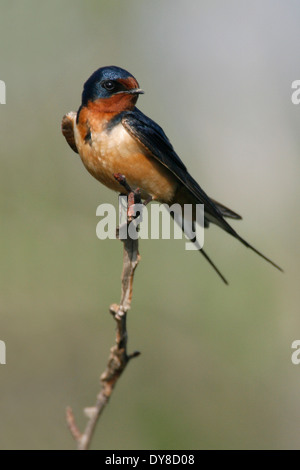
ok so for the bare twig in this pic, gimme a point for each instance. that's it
(118, 358)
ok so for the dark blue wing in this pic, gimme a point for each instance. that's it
(153, 138)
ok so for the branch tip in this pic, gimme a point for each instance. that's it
(72, 424)
(134, 354)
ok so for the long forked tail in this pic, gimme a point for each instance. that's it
(191, 236)
(179, 219)
(213, 265)
(194, 240)
(221, 222)
(245, 244)
(258, 252)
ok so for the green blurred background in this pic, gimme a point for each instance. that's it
(215, 369)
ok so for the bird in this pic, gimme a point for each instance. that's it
(112, 136)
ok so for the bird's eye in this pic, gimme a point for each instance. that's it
(108, 85)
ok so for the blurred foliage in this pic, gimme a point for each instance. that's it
(215, 369)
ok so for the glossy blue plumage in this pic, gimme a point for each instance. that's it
(92, 89)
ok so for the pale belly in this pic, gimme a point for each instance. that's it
(117, 152)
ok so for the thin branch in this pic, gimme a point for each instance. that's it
(118, 358)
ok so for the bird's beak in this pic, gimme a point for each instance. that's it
(133, 91)
(136, 91)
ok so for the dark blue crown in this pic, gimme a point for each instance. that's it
(92, 88)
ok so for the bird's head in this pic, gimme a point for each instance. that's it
(112, 88)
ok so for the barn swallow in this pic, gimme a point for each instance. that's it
(112, 136)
